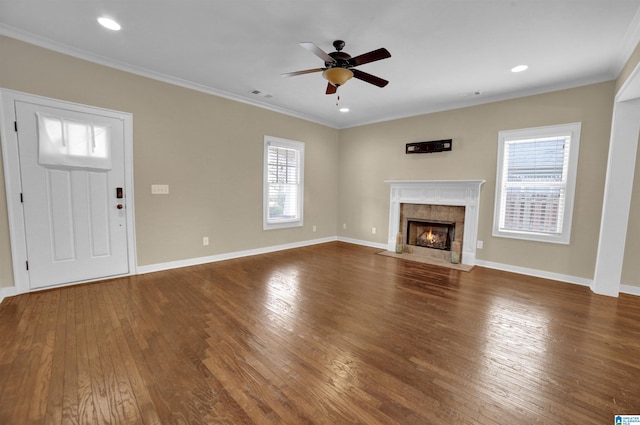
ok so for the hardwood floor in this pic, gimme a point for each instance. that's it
(327, 334)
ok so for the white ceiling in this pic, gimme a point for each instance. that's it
(442, 51)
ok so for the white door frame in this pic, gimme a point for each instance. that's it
(11, 163)
(618, 190)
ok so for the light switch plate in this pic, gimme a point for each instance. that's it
(159, 189)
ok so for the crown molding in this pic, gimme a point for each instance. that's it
(143, 72)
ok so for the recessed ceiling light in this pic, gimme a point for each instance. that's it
(109, 23)
(519, 68)
(344, 109)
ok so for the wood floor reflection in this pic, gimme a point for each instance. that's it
(327, 334)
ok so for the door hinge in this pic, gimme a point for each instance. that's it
(21, 199)
(15, 126)
(27, 264)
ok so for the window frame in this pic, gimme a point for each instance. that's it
(270, 224)
(571, 130)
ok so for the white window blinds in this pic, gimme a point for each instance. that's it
(536, 179)
(284, 177)
(534, 184)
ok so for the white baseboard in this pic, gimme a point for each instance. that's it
(629, 289)
(228, 256)
(8, 291)
(536, 273)
(364, 243)
(508, 268)
(515, 269)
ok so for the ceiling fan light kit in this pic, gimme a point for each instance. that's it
(339, 65)
(337, 76)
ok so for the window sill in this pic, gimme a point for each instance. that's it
(531, 236)
(282, 225)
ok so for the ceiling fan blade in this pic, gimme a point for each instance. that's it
(371, 79)
(373, 56)
(306, 71)
(331, 89)
(317, 51)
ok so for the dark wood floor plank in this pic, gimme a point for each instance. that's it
(144, 411)
(70, 409)
(20, 358)
(40, 354)
(326, 334)
(92, 364)
(55, 396)
(87, 413)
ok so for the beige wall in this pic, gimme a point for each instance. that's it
(374, 153)
(206, 148)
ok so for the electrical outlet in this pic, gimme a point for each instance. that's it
(159, 189)
(205, 240)
(344, 226)
(314, 228)
(479, 244)
(373, 230)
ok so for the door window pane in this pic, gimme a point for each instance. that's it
(67, 143)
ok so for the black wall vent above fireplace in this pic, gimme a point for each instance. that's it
(429, 147)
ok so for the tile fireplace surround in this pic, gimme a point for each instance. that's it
(464, 193)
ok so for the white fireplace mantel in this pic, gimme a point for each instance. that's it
(464, 193)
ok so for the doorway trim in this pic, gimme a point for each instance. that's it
(13, 186)
(621, 166)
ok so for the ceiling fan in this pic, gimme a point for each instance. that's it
(339, 66)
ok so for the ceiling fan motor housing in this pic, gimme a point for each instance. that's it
(341, 59)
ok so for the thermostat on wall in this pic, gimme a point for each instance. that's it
(429, 147)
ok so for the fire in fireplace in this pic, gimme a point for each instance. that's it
(430, 234)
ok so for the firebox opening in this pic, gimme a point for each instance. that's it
(430, 234)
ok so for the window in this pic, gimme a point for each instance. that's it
(283, 183)
(535, 183)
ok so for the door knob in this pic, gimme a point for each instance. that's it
(119, 206)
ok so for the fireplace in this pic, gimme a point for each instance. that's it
(433, 231)
(450, 202)
(428, 234)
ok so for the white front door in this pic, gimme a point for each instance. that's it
(73, 193)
